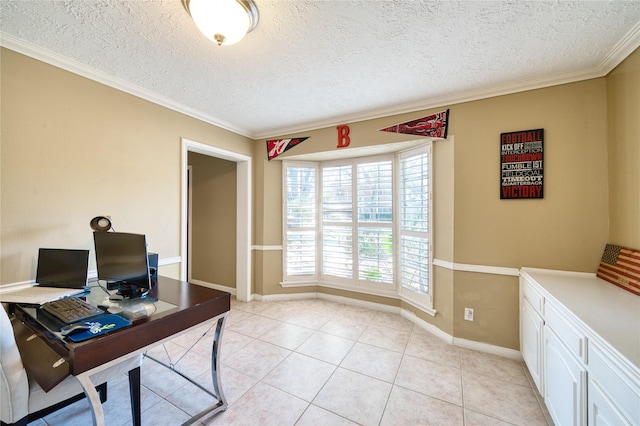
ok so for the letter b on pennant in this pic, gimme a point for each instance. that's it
(343, 136)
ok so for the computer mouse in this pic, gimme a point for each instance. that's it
(74, 328)
(114, 309)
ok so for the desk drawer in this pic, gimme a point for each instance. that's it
(573, 339)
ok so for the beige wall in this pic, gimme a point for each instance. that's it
(565, 230)
(214, 189)
(623, 116)
(267, 223)
(73, 149)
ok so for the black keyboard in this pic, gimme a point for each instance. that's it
(71, 309)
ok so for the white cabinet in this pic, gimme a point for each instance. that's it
(531, 337)
(614, 393)
(565, 381)
(602, 411)
(580, 339)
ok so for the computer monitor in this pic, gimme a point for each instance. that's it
(122, 261)
(62, 268)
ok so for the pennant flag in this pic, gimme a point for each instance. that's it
(276, 147)
(431, 126)
(621, 266)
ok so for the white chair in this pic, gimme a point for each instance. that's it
(23, 400)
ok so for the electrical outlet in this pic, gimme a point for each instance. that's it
(468, 314)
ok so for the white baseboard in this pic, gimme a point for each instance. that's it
(284, 297)
(361, 303)
(427, 326)
(463, 343)
(330, 297)
(485, 347)
(231, 290)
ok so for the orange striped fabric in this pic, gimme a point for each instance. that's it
(621, 266)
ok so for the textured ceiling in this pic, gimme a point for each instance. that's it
(312, 63)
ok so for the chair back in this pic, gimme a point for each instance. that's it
(14, 385)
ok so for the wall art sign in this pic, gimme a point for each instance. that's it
(432, 126)
(521, 164)
(276, 147)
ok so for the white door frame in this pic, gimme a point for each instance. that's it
(189, 216)
(243, 212)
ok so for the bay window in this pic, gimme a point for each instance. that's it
(361, 224)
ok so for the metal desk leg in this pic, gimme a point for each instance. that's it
(222, 404)
(134, 391)
(94, 399)
(215, 364)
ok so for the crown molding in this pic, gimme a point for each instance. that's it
(625, 47)
(28, 49)
(629, 43)
(439, 102)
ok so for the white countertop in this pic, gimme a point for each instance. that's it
(609, 311)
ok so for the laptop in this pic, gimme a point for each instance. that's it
(62, 268)
(60, 273)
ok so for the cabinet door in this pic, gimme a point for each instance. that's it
(564, 382)
(531, 341)
(614, 388)
(602, 411)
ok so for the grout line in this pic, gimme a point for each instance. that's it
(369, 321)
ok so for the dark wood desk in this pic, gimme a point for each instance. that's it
(190, 305)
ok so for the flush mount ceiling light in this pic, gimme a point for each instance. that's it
(223, 21)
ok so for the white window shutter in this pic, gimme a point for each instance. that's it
(300, 221)
(415, 219)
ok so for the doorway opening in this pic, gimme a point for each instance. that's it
(243, 211)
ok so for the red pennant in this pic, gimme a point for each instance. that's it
(276, 147)
(431, 126)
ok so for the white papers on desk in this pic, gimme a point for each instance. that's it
(37, 295)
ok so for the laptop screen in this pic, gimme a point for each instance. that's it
(62, 268)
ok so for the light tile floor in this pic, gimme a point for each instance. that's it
(316, 362)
